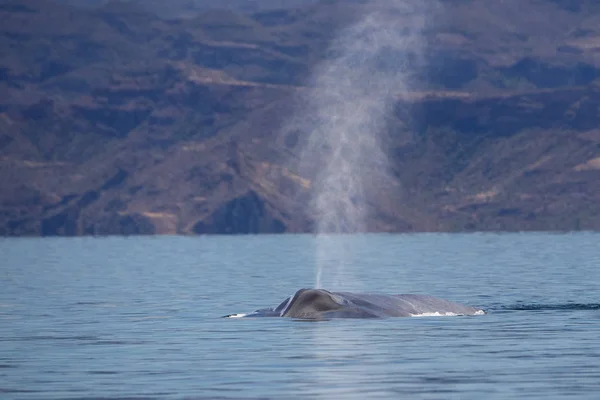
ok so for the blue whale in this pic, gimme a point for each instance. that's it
(322, 304)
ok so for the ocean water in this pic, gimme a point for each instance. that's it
(140, 317)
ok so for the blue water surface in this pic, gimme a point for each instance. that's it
(140, 317)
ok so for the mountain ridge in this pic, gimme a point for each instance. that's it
(115, 121)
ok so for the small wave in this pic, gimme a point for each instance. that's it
(445, 314)
(236, 316)
(436, 314)
(551, 307)
(103, 372)
(46, 337)
(9, 390)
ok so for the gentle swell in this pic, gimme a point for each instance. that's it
(551, 307)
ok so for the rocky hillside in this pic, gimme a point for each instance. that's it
(189, 8)
(116, 121)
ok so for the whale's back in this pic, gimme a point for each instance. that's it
(323, 304)
(319, 303)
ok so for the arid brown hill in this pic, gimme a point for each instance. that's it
(116, 121)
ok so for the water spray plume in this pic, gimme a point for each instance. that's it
(369, 65)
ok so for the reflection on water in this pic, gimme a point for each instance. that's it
(141, 318)
(337, 363)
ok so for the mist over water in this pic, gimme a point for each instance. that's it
(369, 67)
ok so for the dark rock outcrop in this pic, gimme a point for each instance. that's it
(242, 215)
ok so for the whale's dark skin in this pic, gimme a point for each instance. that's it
(322, 304)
